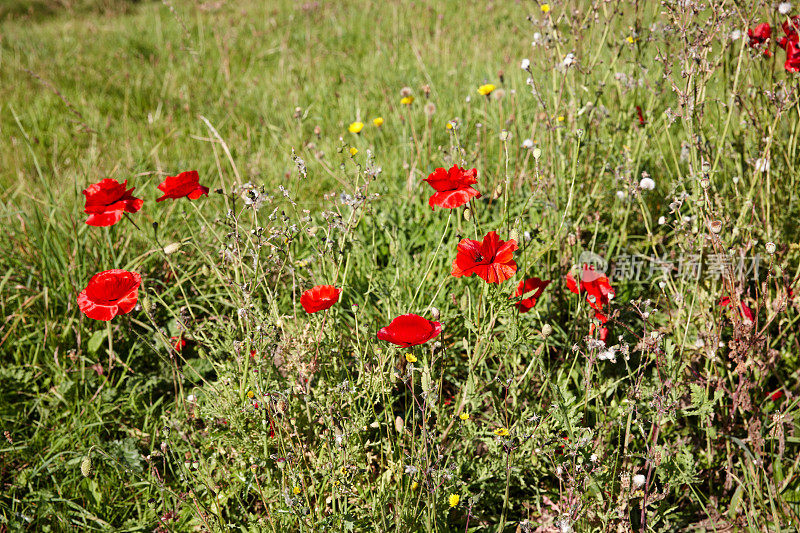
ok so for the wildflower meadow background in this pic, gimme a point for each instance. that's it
(399, 266)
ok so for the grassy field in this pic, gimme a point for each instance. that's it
(654, 140)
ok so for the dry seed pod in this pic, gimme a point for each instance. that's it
(86, 465)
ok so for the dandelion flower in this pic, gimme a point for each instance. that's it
(527, 143)
(353, 150)
(545, 8)
(407, 100)
(356, 127)
(525, 65)
(464, 416)
(250, 394)
(647, 184)
(638, 480)
(453, 500)
(501, 432)
(378, 122)
(784, 8)
(411, 358)
(486, 89)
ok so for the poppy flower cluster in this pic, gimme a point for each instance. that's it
(115, 292)
(790, 42)
(108, 199)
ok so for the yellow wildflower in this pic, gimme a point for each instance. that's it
(501, 432)
(545, 8)
(630, 39)
(250, 394)
(561, 118)
(453, 500)
(486, 89)
(356, 127)
(353, 150)
(406, 100)
(378, 122)
(414, 486)
(464, 416)
(411, 358)
(449, 126)
(296, 490)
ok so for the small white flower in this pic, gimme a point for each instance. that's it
(638, 480)
(191, 398)
(608, 355)
(736, 35)
(564, 526)
(525, 65)
(647, 184)
(784, 8)
(569, 60)
(527, 143)
(762, 165)
(621, 195)
(593, 458)
(537, 38)
(662, 221)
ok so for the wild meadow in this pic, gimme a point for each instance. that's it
(399, 266)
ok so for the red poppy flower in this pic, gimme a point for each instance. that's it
(603, 335)
(525, 288)
(744, 311)
(597, 288)
(777, 395)
(492, 260)
(184, 185)
(179, 343)
(790, 28)
(410, 330)
(452, 186)
(640, 115)
(320, 298)
(759, 35)
(106, 200)
(110, 293)
(792, 63)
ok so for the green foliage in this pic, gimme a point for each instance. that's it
(270, 418)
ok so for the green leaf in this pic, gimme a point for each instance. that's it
(96, 340)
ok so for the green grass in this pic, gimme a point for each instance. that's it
(370, 441)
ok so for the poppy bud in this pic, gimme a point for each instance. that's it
(715, 226)
(513, 235)
(770, 246)
(498, 192)
(547, 330)
(434, 313)
(467, 214)
(705, 183)
(537, 153)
